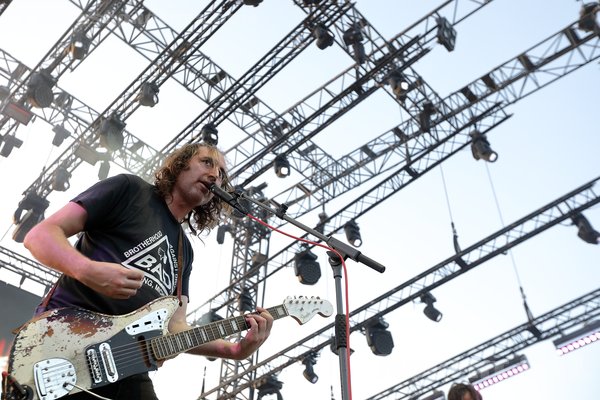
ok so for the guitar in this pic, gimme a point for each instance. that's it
(67, 350)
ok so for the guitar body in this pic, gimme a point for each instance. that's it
(67, 350)
(65, 347)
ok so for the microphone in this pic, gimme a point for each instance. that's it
(227, 198)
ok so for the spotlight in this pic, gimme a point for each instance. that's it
(399, 85)
(446, 34)
(111, 132)
(104, 170)
(425, 115)
(353, 233)
(60, 134)
(35, 206)
(269, 385)
(322, 220)
(252, 2)
(306, 267)
(148, 95)
(430, 311)
(323, 37)
(590, 333)
(18, 111)
(586, 232)
(10, 142)
(353, 37)
(39, 89)
(79, 46)
(209, 134)
(309, 361)
(245, 301)
(481, 149)
(221, 230)
(500, 372)
(281, 165)
(379, 338)
(587, 17)
(60, 181)
(4, 92)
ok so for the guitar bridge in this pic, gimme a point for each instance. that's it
(54, 377)
(94, 365)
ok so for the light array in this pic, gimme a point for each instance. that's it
(581, 337)
(498, 374)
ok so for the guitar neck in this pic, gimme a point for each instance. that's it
(172, 344)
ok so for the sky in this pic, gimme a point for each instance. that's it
(545, 150)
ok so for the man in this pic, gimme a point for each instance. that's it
(130, 248)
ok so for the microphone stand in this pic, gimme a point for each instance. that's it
(345, 251)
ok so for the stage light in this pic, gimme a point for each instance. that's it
(148, 95)
(480, 147)
(585, 230)
(427, 111)
(87, 154)
(111, 132)
(245, 301)
(39, 89)
(252, 2)
(430, 311)
(60, 134)
(353, 233)
(353, 37)
(323, 37)
(435, 395)
(587, 17)
(10, 142)
(35, 206)
(281, 166)
(306, 267)
(79, 46)
(60, 181)
(379, 338)
(209, 134)
(104, 170)
(18, 112)
(322, 221)
(269, 385)
(309, 372)
(399, 84)
(588, 334)
(221, 230)
(499, 373)
(446, 34)
(4, 92)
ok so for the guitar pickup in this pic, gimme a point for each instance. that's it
(108, 362)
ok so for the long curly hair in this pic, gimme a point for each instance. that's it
(202, 218)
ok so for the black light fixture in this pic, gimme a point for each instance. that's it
(80, 45)
(516, 365)
(254, 3)
(353, 37)
(60, 134)
(309, 372)
(245, 301)
(209, 134)
(323, 37)
(587, 17)
(111, 132)
(427, 111)
(353, 233)
(585, 230)
(379, 338)
(281, 166)
(430, 311)
(35, 206)
(435, 395)
(399, 84)
(60, 180)
(9, 143)
(480, 147)
(104, 170)
(39, 89)
(323, 217)
(269, 385)
(446, 34)
(4, 92)
(148, 95)
(306, 267)
(221, 230)
(588, 334)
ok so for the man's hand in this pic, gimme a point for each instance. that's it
(112, 280)
(260, 328)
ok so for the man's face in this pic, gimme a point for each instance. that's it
(206, 167)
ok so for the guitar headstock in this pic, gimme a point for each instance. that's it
(303, 308)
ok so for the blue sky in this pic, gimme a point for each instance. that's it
(546, 149)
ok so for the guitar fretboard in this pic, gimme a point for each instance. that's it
(173, 344)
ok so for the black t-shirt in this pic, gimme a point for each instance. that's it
(127, 223)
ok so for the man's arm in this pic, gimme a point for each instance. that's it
(48, 243)
(260, 328)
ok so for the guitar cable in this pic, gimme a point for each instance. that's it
(85, 390)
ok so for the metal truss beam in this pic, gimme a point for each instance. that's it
(569, 316)
(499, 242)
(4, 5)
(27, 268)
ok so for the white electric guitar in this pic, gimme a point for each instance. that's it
(64, 351)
